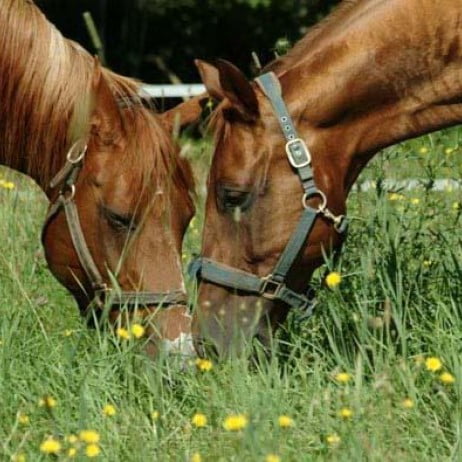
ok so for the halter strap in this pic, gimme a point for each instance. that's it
(274, 286)
(67, 177)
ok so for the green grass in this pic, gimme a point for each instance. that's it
(399, 302)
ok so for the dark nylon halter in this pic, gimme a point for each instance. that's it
(273, 286)
(67, 178)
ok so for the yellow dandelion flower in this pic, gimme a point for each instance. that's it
(272, 458)
(199, 420)
(109, 410)
(427, 263)
(50, 446)
(285, 421)
(449, 151)
(123, 333)
(447, 378)
(71, 452)
(68, 332)
(155, 415)
(415, 201)
(333, 279)
(407, 403)
(8, 185)
(433, 364)
(423, 150)
(137, 330)
(23, 419)
(19, 457)
(48, 402)
(204, 365)
(89, 436)
(92, 450)
(343, 377)
(333, 439)
(345, 413)
(196, 457)
(234, 423)
(395, 197)
(456, 205)
(72, 439)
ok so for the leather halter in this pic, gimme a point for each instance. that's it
(103, 294)
(273, 286)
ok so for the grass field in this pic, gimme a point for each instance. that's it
(398, 306)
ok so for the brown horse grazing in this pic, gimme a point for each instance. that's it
(120, 193)
(372, 74)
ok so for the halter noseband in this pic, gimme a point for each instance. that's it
(67, 178)
(273, 286)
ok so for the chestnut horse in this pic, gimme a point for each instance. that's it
(372, 74)
(121, 195)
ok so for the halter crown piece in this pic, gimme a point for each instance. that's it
(273, 286)
(67, 178)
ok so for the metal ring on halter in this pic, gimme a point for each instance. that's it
(68, 197)
(308, 195)
(80, 156)
(338, 222)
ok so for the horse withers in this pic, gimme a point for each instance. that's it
(290, 145)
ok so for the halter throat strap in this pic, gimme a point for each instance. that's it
(274, 285)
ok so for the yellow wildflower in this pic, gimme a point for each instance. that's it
(72, 439)
(68, 332)
(395, 197)
(199, 420)
(19, 457)
(23, 419)
(235, 422)
(71, 452)
(155, 415)
(343, 377)
(123, 333)
(456, 205)
(447, 378)
(7, 184)
(407, 403)
(204, 365)
(48, 401)
(92, 450)
(137, 330)
(345, 413)
(449, 151)
(333, 279)
(196, 457)
(50, 446)
(423, 150)
(272, 458)
(433, 364)
(89, 436)
(333, 439)
(109, 410)
(285, 421)
(427, 263)
(415, 201)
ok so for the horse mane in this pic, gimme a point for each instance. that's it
(333, 21)
(46, 91)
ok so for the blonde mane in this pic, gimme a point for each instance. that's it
(47, 98)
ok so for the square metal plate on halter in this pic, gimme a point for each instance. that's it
(298, 153)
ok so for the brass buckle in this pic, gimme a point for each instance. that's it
(298, 153)
(271, 288)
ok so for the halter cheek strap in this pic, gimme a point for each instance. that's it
(67, 178)
(274, 286)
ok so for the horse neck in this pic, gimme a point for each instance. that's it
(390, 73)
(44, 83)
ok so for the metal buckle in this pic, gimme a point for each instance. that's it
(271, 288)
(80, 153)
(298, 153)
(322, 207)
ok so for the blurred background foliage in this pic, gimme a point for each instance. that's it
(155, 39)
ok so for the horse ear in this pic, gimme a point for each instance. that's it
(227, 81)
(184, 114)
(106, 117)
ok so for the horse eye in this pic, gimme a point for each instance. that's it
(119, 221)
(231, 199)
